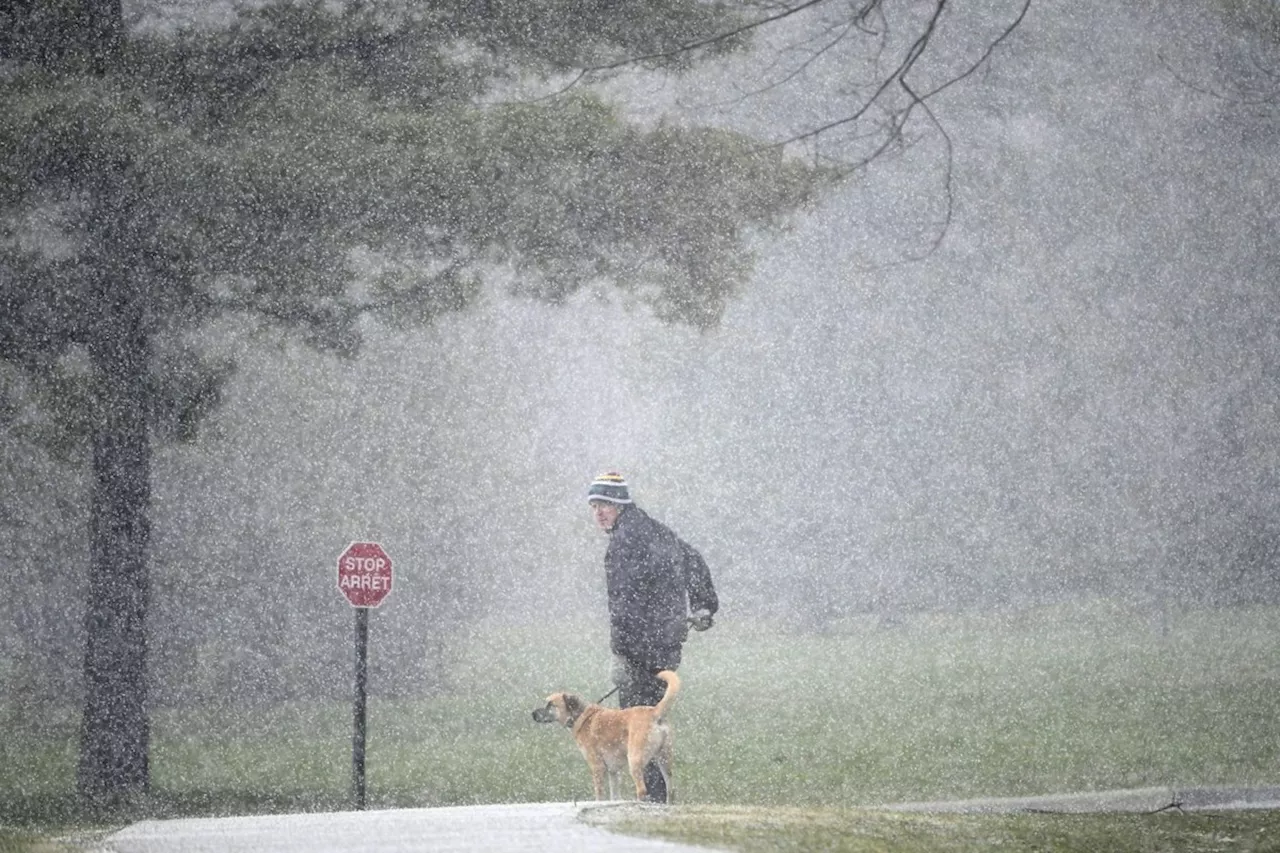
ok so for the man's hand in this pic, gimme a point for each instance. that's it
(700, 620)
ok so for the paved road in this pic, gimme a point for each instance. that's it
(494, 829)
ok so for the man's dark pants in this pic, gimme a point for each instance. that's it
(644, 689)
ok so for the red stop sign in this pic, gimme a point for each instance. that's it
(364, 574)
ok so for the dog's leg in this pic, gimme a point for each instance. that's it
(638, 757)
(663, 761)
(597, 775)
(635, 763)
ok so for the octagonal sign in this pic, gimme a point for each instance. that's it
(364, 574)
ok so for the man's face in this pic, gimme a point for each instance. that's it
(606, 514)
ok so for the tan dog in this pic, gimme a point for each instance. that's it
(611, 738)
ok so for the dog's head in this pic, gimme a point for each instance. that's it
(562, 708)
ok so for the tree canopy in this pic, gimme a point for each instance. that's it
(234, 170)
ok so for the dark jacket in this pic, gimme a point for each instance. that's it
(654, 579)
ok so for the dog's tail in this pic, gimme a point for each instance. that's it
(673, 687)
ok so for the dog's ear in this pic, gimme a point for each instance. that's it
(573, 706)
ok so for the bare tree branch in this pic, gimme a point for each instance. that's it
(717, 38)
(880, 106)
(1258, 83)
(1240, 96)
(986, 55)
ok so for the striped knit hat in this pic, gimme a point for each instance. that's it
(609, 487)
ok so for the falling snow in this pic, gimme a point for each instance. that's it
(1025, 357)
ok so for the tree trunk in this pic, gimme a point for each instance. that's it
(115, 734)
(115, 737)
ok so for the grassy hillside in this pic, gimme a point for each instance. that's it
(937, 707)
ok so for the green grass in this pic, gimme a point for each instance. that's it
(25, 841)
(837, 830)
(1085, 697)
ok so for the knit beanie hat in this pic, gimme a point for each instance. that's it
(609, 487)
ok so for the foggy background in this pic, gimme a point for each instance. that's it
(1074, 395)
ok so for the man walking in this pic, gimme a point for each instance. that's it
(655, 581)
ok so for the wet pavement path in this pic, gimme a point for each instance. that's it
(521, 828)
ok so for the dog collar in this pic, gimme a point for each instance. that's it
(573, 718)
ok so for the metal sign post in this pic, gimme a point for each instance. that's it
(365, 578)
(358, 731)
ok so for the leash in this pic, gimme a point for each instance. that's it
(690, 620)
